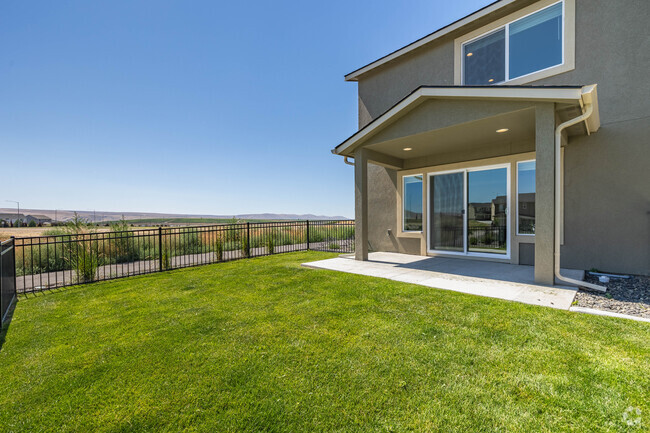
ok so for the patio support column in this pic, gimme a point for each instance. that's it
(544, 192)
(361, 204)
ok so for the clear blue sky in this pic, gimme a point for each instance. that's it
(190, 106)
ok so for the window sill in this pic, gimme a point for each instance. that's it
(409, 234)
(539, 75)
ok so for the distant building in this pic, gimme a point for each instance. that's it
(9, 219)
(38, 219)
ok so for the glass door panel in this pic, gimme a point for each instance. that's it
(487, 212)
(446, 196)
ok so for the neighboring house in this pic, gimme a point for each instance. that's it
(532, 113)
(39, 219)
(11, 218)
(526, 215)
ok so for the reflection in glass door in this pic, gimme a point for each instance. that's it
(487, 201)
(468, 211)
(446, 195)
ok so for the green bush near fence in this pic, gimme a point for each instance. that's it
(188, 243)
(85, 261)
(124, 247)
(329, 233)
(270, 244)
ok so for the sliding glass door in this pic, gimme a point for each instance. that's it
(487, 217)
(447, 200)
(468, 211)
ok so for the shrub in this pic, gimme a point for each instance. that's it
(245, 249)
(333, 246)
(85, 260)
(218, 249)
(32, 223)
(83, 251)
(166, 259)
(270, 244)
(188, 243)
(124, 248)
(55, 232)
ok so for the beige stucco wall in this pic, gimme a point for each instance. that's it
(607, 174)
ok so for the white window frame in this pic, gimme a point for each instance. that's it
(517, 195)
(403, 210)
(568, 43)
(466, 252)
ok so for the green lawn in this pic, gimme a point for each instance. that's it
(265, 345)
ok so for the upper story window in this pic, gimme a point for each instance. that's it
(516, 49)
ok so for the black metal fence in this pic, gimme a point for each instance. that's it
(491, 237)
(487, 237)
(7, 278)
(47, 262)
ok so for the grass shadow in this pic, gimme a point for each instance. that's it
(4, 329)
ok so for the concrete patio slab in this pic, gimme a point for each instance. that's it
(495, 280)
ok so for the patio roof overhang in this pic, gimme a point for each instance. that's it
(440, 119)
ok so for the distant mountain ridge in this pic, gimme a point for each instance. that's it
(101, 216)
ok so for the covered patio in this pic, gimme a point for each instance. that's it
(494, 280)
(438, 130)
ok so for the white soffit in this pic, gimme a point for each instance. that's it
(575, 95)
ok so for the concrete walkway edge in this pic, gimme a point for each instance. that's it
(608, 314)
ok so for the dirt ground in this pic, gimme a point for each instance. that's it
(7, 232)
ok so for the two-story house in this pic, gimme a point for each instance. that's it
(543, 106)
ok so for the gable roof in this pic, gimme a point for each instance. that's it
(492, 7)
(11, 216)
(568, 94)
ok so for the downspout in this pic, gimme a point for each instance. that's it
(345, 159)
(589, 109)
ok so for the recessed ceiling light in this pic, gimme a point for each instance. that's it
(490, 80)
(502, 130)
(470, 54)
(406, 149)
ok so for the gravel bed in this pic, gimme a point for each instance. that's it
(626, 296)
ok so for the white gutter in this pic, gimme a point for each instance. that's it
(589, 109)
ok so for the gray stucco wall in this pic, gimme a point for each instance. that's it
(607, 174)
(382, 203)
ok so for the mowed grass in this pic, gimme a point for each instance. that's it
(265, 345)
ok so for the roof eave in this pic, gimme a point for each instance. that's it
(492, 7)
(577, 94)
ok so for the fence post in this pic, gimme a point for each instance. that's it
(307, 235)
(248, 239)
(160, 252)
(13, 244)
(2, 306)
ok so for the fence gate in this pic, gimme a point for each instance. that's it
(7, 277)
